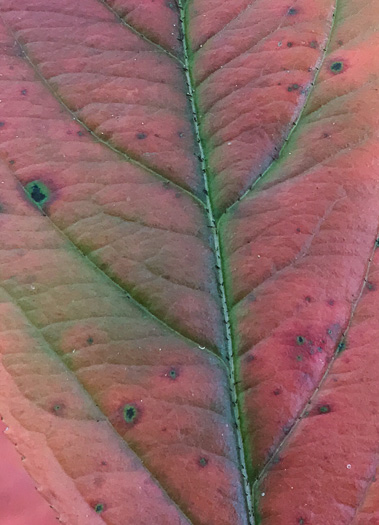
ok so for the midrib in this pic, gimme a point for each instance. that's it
(228, 353)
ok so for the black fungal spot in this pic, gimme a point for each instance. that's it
(11, 162)
(301, 521)
(141, 136)
(80, 133)
(130, 413)
(324, 409)
(341, 347)
(203, 462)
(90, 340)
(325, 135)
(370, 286)
(57, 409)
(38, 192)
(172, 373)
(299, 358)
(331, 302)
(336, 67)
(300, 340)
(277, 392)
(99, 507)
(23, 92)
(289, 44)
(308, 299)
(292, 11)
(298, 230)
(293, 87)
(313, 44)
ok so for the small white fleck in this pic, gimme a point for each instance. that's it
(258, 256)
(202, 347)
(263, 494)
(348, 466)
(229, 143)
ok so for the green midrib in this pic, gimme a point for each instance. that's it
(229, 352)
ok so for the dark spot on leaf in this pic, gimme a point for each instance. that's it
(336, 67)
(58, 408)
(299, 358)
(172, 374)
(301, 521)
(23, 92)
(277, 392)
(203, 462)
(141, 136)
(300, 340)
(340, 42)
(90, 340)
(325, 135)
(180, 134)
(130, 413)
(331, 302)
(324, 409)
(370, 286)
(293, 87)
(2, 124)
(313, 44)
(308, 299)
(99, 507)
(80, 133)
(298, 230)
(289, 44)
(341, 347)
(249, 358)
(292, 11)
(377, 243)
(37, 192)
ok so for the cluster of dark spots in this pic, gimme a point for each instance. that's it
(24, 92)
(313, 44)
(203, 462)
(99, 508)
(38, 192)
(277, 392)
(336, 67)
(90, 340)
(130, 413)
(293, 87)
(292, 11)
(141, 135)
(324, 409)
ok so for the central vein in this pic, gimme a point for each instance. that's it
(229, 350)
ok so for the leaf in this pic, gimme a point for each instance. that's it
(187, 258)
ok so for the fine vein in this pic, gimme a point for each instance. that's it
(229, 351)
(295, 124)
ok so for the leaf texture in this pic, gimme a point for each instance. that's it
(188, 273)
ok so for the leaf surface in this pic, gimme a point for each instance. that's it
(187, 243)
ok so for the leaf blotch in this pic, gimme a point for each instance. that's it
(324, 409)
(277, 392)
(337, 67)
(141, 136)
(292, 11)
(58, 409)
(172, 374)
(37, 192)
(203, 462)
(99, 508)
(293, 87)
(300, 340)
(90, 340)
(130, 413)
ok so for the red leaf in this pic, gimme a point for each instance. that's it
(188, 229)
